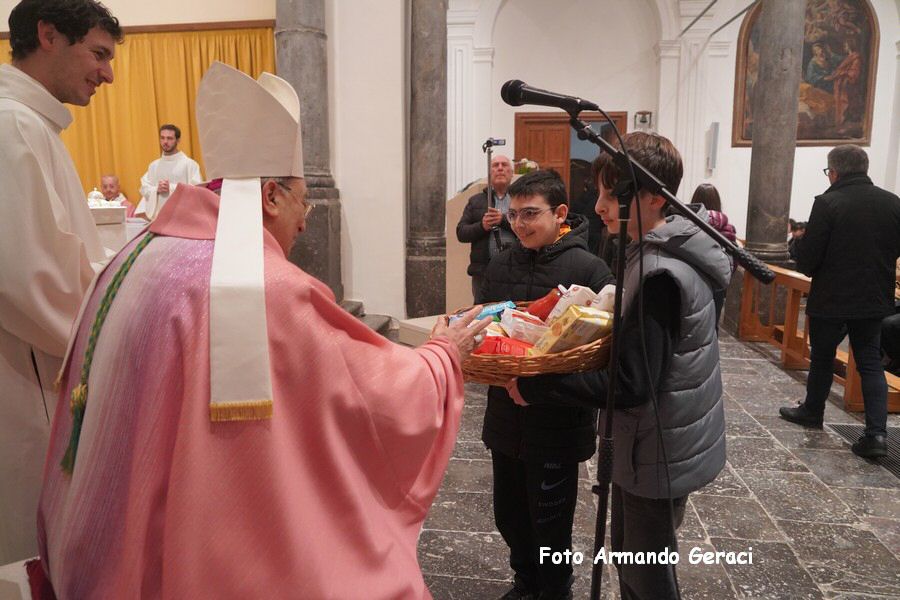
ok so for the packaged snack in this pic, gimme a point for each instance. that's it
(579, 325)
(606, 298)
(522, 325)
(503, 345)
(541, 307)
(495, 329)
(490, 310)
(576, 295)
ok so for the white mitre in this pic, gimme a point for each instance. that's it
(248, 129)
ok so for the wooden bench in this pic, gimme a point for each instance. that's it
(791, 336)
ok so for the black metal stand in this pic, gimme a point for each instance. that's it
(488, 147)
(644, 181)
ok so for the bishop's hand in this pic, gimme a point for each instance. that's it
(459, 333)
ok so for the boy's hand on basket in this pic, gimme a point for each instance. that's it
(512, 388)
(465, 338)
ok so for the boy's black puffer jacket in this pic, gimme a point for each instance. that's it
(564, 434)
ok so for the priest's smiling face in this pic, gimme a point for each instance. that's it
(80, 68)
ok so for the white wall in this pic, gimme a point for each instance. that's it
(632, 60)
(366, 56)
(166, 12)
(602, 51)
(731, 176)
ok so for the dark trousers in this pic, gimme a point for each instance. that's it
(477, 280)
(865, 340)
(534, 506)
(644, 525)
(890, 336)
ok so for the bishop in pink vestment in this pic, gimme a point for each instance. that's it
(324, 500)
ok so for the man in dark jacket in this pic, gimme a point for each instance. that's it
(536, 451)
(476, 226)
(851, 245)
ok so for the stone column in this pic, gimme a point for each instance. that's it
(775, 97)
(301, 59)
(774, 131)
(426, 245)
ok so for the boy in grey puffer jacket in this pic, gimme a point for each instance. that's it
(682, 270)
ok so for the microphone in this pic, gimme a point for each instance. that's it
(516, 93)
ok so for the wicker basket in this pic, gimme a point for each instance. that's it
(496, 369)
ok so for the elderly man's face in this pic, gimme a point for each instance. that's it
(110, 187)
(501, 172)
(285, 210)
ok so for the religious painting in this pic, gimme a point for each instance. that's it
(837, 81)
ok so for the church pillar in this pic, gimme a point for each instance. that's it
(774, 132)
(426, 263)
(301, 59)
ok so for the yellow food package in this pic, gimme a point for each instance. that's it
(577, 326)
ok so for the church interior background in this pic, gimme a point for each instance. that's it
(385, 168)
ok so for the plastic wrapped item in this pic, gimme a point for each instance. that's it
(579, 325)
(541, 307)
(503, 345)
(495, 329)
(522, 325)
(576, 295)
(490, 310)
(606, 298)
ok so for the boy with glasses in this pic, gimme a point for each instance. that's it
(536, 450)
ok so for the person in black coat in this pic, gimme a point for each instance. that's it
(536, 450)
(476, 226)
(584, 205)
(850, 249)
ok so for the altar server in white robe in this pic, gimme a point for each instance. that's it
(49, 245)
(165, 173)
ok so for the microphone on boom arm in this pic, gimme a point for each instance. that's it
(516, 93)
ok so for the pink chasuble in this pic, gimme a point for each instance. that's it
(325, 500)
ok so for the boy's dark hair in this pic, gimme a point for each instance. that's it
(544, 182)
(171, 127)
(72, 18)
(707, 195)
(652, 150)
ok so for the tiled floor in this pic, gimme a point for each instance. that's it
(822, 523)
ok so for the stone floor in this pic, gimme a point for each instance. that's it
(822, 523)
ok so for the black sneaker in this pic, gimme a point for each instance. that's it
(517, 593)
(566, 595)
(870, 446)
(801, 416)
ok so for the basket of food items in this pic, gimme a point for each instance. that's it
(567, 331)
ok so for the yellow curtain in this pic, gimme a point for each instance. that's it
(156, 79)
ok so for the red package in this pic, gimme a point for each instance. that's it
(496, 344)
(541, 308)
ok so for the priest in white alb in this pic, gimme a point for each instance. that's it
(165, 173)
(49, 245)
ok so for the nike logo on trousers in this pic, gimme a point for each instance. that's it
(546, 487)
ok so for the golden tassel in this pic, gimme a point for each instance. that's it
(77, 404)
(247, 410)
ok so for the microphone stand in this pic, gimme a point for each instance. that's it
(645, 181)
(488, 147)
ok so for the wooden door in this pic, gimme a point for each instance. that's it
(545, 137)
